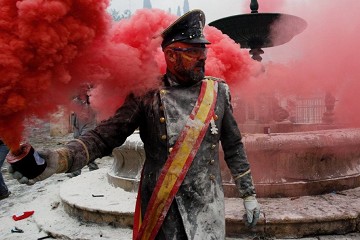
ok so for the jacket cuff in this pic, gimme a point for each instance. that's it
(245, 185)
(63, 159)
(78, 155)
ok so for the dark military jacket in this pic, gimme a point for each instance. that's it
(198, 209)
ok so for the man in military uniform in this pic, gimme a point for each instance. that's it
(181, 124)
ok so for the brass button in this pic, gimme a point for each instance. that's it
(163, 137)
(216, 117)
(212, 177)
(170, 149)
(162, 119)
(213, 146)
(161, 107)
(212, 161)
(162, 91)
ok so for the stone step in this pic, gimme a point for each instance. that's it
(91, 198)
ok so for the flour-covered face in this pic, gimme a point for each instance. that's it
(186, 62)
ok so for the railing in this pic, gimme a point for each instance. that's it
(266, 109)
(310, 110)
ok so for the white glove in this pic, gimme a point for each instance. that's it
(57, 162)
(252, 209)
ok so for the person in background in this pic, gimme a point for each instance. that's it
(83, 119)
(4, 191)
(181, 123)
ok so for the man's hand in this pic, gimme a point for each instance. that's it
(252, 209)
(57, 162)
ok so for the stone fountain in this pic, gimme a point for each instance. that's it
(296, 163)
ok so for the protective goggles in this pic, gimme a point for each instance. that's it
(192, 51)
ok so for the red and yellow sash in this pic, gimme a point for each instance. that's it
(177, 165)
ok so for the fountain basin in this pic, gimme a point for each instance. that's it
(302, 163)
(282, 164)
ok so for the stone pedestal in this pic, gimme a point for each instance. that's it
(128, 161)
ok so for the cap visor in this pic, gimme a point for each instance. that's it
(196, 40)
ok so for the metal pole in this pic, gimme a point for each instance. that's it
(254, 6)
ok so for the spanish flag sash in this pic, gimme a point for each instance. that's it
(177, 165)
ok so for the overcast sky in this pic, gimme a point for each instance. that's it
(214, 9)
(223, 7)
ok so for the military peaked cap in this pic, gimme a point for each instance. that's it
(188, 28)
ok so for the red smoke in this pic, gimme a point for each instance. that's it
(50, 48)
(321, 59)
(128, 59)
(39, 40)
(227, 60)
(329, 50)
